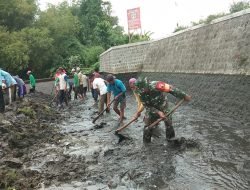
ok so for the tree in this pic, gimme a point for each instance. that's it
(102, 33)
(40, 46)
(239, 6)
(74, 61)
(17, 14)
(13, 51)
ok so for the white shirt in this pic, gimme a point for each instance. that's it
(62, 81)
(99, 83)
(85, 81)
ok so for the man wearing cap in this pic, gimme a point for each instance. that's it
(119, 91)
(150, 95)
(32, 82)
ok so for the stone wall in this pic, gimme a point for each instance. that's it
(210, 62)
(124, 59)
(221, 47)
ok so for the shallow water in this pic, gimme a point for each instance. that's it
(214, 155)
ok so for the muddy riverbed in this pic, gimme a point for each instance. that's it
(213, 154)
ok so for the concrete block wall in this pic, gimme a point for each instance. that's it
(221, 47)
(210, 62)
(124, 59)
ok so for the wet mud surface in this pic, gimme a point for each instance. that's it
(211, 153)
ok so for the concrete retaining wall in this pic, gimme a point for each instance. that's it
(210, 62)
(222, 47)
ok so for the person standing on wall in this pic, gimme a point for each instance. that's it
(32, 82)
(119, 91)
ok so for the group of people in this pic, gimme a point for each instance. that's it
(64, 85)
(12, 86)
(148, 94)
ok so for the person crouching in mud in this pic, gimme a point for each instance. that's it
(151, 96)
(118, 88)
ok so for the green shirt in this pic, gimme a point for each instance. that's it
(32, 80)
(76, 80)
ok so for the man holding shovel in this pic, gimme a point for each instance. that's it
(118, 88)
(150, 95)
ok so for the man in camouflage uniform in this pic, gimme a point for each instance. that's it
(151, 96)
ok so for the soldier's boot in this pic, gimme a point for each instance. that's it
(170, 132)
(147, 134)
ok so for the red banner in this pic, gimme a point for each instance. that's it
(134, 20)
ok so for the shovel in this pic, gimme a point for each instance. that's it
(125, 126)
(53, 98)
(169, 113)
(94, 120)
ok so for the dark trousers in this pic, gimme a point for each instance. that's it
(20, 91)
(2, 104)
(32, 90)
(94, 94)
(69, 92)
(84, 91)
(62, 97)
(14, 93)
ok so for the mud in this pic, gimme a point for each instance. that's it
(25, 127)
(210, 152)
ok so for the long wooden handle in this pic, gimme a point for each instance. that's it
(171, 111)
(124, 126)
(94, 120)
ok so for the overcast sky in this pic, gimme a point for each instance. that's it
(161, 16)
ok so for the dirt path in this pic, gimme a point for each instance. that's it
(214, 155)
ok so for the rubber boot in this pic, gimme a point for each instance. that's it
(170, 132)
(147, 134)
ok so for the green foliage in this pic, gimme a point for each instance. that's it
(40, 45)
(63, 35)
(13, 51)
(102, 33)
(213, 17)
(239, 6)
(235, 7)
(146, 36)
(17, 14)
(92, 55)
(209, 19)
(179, 28)
(74, 61)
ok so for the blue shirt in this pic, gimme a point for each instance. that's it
(117, 87)
(1, 82)
(19, 81)
(8, 78)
